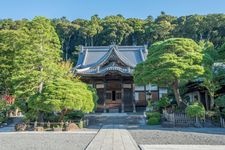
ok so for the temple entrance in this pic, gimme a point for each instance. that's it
(115, 93)
(113, 99)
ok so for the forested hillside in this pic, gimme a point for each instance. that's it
(130, 31)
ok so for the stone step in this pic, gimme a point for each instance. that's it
(115, 118)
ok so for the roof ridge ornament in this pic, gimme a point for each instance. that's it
(113, 47)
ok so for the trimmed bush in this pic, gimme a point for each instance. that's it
(163, 102)
(153, 121)
(153, 114)
(75, 115)
(195, 110)
(220, 101)
(153, 118)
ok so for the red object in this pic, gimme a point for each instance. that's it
(9, 99)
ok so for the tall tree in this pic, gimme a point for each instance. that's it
(170, 62)
(37, 59)
(115, 30)
(137, 37)
(8, 49)
(63, 94)
(67, 33)
(211, 74)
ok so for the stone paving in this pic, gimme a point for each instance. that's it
(182, 147)
(45, 140)
(113, 137)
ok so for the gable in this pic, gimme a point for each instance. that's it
(89, 56)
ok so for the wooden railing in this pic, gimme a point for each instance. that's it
(179, 119)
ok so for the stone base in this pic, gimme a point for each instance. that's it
(113, 110)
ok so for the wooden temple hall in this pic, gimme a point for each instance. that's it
(109, 70)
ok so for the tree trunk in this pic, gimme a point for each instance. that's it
(42, 83)
(40, 116)
(176, 91)
(92, 41)
(41, 113)
(211, 101)
(64, 111)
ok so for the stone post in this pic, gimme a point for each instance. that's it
(134, 107)
(133, 99)
(104, 107)
(122, 107)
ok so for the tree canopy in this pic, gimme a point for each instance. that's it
(130, 31)
(170, 62)
(32, 70)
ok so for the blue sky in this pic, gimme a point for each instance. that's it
(73, 9)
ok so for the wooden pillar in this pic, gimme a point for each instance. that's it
(199, 97)
(104, 95)
(145, 93)
(122, 96)
(93, 84)
(206, 100)
(132, 98)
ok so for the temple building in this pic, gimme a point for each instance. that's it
(109, 70)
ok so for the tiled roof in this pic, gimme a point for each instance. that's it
(93, 56)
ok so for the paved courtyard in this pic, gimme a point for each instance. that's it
(45, 141)
(117, 137)
(182, 147)
(183, 136)
(113, 137)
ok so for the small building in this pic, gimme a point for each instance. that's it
(109, 70)
(195, 91)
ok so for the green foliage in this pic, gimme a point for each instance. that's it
(220, 101)
(130, 31)
(214, 115)
(4, 107)
(75, 115)
(34, 73)
(37, 58)
(7, 54)
(163, 102)
(221, 52)
(214, 75)
(62, 95)
(195, 110)
(153, 114)
(52, 117)
(171, 61)
(32, 60)
(153, 118)
(153, 121)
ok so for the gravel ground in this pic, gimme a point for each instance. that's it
(45, 141)
(198, 136)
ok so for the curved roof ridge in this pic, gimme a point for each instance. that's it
(118, 54)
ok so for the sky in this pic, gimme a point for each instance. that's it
(73, 9)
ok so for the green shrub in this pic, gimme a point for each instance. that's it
(153, 121)
(195, 110)
(153, 118)
(52, 117)
(220, 101)
(75, 115)
(163, 102)
(153, 114)
(81, 124)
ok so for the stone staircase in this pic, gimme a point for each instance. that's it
(115, 118)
